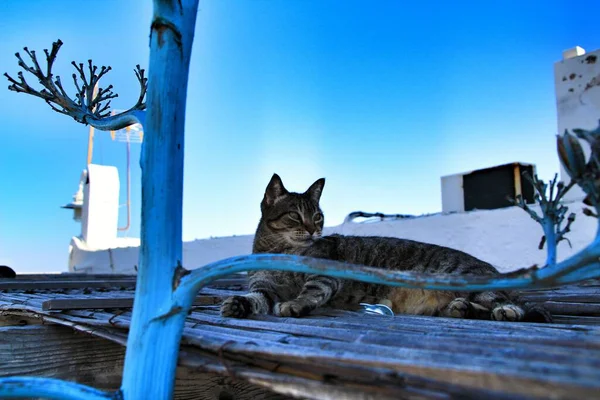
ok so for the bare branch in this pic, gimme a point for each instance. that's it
(560, 234)
(542, 242)
(520, 202)
(87, 107)
(590, 213)
(549, 196)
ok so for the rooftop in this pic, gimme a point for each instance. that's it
(334, 353)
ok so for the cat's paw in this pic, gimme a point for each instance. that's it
(508, 312)
(236, 307)
(458, 308)
(537, 313)
(291, 309)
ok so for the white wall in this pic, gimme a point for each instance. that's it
(453, 197)
(508, 238)
(100, 214)
(577, 86)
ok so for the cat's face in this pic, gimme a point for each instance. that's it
(294, 218)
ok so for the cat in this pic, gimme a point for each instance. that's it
(292, 223)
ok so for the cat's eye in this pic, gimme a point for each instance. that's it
(294, 216)
(318, 218)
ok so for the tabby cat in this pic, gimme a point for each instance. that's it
(292, 223)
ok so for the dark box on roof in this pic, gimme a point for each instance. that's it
(488, 188)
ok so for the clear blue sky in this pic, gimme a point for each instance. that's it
(380, 97)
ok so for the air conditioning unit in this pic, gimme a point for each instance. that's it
(488, 188)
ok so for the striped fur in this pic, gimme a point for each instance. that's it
(292, 223)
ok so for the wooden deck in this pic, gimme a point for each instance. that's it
(330, 355)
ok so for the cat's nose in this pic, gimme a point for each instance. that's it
(310, 229)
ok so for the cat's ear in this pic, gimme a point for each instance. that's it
(316, 189)
(274, 191)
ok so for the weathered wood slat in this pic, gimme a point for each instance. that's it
(69, 276)
(59, 352)
(415, 360)
(345, 329)
(547, 346)
(403, 324)
(335, 380)
(103, 303)
(97, 281)
(438, 354)
(54, 351)
(576, 319)
(407, 324)
(287, 383)
(13, 284)
(355, 381)
(576, 297)
(563, 307)
(481, 376)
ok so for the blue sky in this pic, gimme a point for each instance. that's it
(380, 97)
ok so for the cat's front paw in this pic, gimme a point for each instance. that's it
(458, 308)
(508, 312)
(236, 307)
(291, 309)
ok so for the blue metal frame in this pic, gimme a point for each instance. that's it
(165, 290)
(51, 389)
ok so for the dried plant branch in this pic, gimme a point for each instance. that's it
(560, 234)
(520, 202)
(590, 213)
(549, 196)
(86, 108)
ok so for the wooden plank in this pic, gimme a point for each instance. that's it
(545, 346)
(515, 358)
(575, 319)
(56, 352)
(104, 303)
(408, 324)
(334, 381)
(99, 282)
(193, 383)
(572, 308)
(432, 357)
(493, 373)
(577, 296)
(475, 361)
(70, 276)
(13, 284)
(59, 352)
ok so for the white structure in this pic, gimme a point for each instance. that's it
(453, 196)
(96, 206)
(577, 86)
(77, 204)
